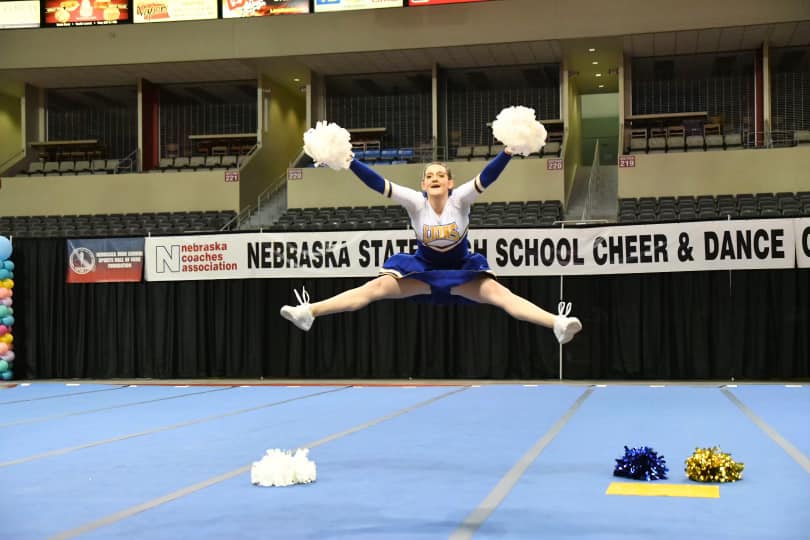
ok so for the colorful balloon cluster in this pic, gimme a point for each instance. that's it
(6, 310)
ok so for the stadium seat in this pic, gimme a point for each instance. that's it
(463, 152)
(801, 136)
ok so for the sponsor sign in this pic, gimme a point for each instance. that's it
(85, 12)
(349, 5)
(19, 14)
(554, 164)
(680, 247)
(102, 260)
(263, 8)
(149, 11)
(437, 2)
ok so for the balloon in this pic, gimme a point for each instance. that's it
(6, 375)
(3, 292)
(3, 348)
(3, 329)
(9, 265)
(8, 283)
(3, 365)
(5, 248)
(4, 311)
(4, 274)
(8, 338)
(9, 356)
(6, 301)
(8, 320)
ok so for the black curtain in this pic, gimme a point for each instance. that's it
(681, 325)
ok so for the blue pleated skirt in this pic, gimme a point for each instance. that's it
(441, 278)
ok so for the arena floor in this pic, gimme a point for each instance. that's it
(397, 459)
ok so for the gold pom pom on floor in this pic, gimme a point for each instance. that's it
(712, 465)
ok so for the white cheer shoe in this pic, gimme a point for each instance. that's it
(565, 327)
(300, 315)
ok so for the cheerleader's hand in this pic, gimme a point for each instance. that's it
(329, 144)
(518, 129)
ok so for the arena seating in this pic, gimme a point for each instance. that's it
(488, 215)
(115, 224)
(703, 207)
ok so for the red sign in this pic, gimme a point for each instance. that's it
(554, 164)
(104, 260)
(627, 161)
(85, 12)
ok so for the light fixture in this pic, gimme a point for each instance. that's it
(591, 50)
(595, 63)
(601, 86)
(598, 74)
(296, 79)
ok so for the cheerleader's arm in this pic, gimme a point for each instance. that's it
(469, 191)
(407, 197)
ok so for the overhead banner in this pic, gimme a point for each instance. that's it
(19, 14)
(349, 5)
(85, 12)
(104, 260)
(437, 2)
(679, 247)
(263, 8)
(151, 11)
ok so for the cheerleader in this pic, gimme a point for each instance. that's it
(442, 269)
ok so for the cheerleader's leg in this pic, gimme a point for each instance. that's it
(385, 287)
(486, 290)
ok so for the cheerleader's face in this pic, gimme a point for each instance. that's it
(436, 180)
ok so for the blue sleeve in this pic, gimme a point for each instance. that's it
(494, 168)
(368, 176)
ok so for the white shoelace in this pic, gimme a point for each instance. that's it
(563, 308)
(303, 298)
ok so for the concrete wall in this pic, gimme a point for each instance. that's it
(573, 135)
(717, 172)
(506, 21)
(523, 180)
(282, 124)
(11, 141)
(117, 193)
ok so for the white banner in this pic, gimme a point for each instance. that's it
(348, 5)
(803, 242)
(676, 247)
(19, 14)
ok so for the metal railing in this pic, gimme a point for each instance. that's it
(593, 182)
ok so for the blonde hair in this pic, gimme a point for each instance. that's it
(443, 164)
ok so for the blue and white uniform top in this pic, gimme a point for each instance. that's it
(445, 233)
(442, 238)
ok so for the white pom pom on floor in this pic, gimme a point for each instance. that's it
(281, 468)
(518, 129)
(329, 144)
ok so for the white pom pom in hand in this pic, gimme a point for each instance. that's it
(283, 468)
(519, 130)
(329, 144)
